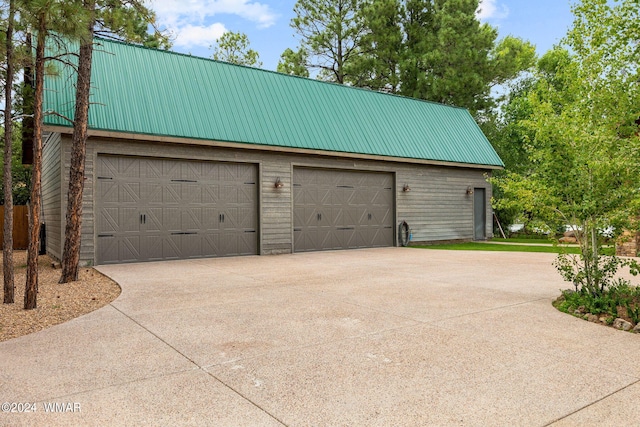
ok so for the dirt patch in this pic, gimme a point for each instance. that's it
(56, 303)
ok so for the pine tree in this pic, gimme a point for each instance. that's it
(330, 33)
(235, 48)
(120, 19)
(7, 251)
(66, 18)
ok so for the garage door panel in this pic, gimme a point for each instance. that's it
(129, 192)
(191, 246)
(127, 248)
(211, 243)
(108, 220)
(210, 221)
(170, 195)
(155, 220)
(342, 209)
(190, 219)
(211, 194)
(154, 209)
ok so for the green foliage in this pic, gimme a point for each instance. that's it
(293, 63)
(330, 33)
(435, 50)
(531, 239)
(619, 300)
(477, 246)
(381, 47)
(131, 21)
(590, 274)
(235, 48)
(581, 140)
(452, 58)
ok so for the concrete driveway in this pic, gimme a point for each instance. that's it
(394, 336)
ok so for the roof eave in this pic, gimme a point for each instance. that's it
(250, 146)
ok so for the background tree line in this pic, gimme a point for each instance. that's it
(437, 50)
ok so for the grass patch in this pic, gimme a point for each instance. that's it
(475, 246)
(523, 240)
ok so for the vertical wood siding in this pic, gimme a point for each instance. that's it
(51, 195)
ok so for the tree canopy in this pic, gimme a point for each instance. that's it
(436, 50)
(235, 48)
(578, 124)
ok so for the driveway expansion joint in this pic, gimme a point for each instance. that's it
(593, 403)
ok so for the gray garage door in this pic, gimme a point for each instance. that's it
(159, 209)
(341, 209)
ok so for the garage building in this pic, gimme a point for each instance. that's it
(189, 157)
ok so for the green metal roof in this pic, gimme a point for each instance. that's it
(145, 91)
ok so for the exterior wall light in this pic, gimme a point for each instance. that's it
(469, 191)
(406, 188)
(278, 183)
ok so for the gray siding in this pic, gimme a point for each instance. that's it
(276, 207)
(51, 195)
(437, 208)
(87, 248)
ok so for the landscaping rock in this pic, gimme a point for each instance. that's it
(592, 318)
(568, 240)
(622, 324)
(637, 329)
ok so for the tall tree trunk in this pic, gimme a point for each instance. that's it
(73, 228)
(31, 287)
(7, 251)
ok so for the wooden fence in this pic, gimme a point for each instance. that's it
(20, 227)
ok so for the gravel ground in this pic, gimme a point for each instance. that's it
(56, 303)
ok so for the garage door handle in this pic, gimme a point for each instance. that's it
(319, 217)
(369, 216)
(346, 228)
(143, 218)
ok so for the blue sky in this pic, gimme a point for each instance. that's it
(196, 24)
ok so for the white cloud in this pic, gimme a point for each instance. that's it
(197, 11)
(490, 9)
(197, 23)
(194, 35)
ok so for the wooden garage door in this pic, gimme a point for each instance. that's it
(158, 209)
(341, 209)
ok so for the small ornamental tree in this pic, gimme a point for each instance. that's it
(584, 144)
